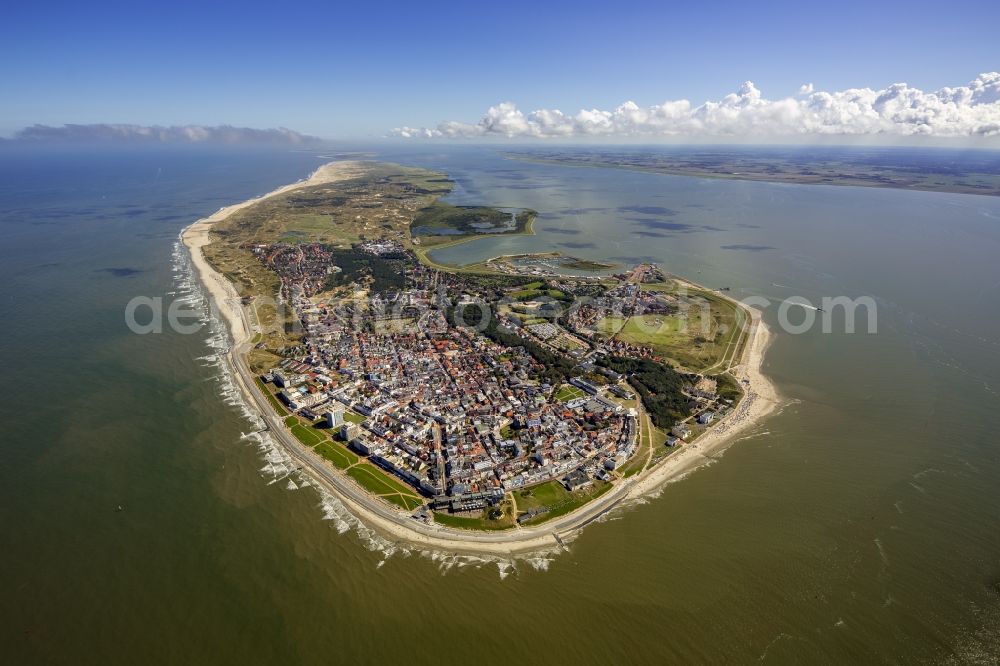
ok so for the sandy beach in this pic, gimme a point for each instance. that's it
(760, 400)
(221, 292)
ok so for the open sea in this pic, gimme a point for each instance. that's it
(859, 524)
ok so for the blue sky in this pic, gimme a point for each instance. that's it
(347, 71)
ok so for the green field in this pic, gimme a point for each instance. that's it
(337, 454)
(478, 523)
(306, 226)
(304, 432)
(377, 481)
(369, 477)
(635, 465)
(547, 494)
(528, 294)
(609, 326)
(704, 338)
(655, 330)
(559, 501)
(306, 435)
(568, 392)
(354, 417)
(408, 502)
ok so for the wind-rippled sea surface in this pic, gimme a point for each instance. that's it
(860, 524)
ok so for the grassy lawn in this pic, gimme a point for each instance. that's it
(370, 477)
(634, 466)
(428, 243)
(528, 294)
(408, 502)
(354, 417)
(278, 407)
(568, 392)
(663, 452)
(549, 496)
(306, 435)
(376, 481)
(657, 330)
(478, 523)
(659, 440)
(337, 454)
(303, 432)
(307, 225)
(706, 338)
(525, 294)
(531, 286)
(610, 326)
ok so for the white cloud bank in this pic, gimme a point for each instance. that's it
(972, 110)
(155, 134)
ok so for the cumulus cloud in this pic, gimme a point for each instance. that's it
(155, 134)
(972, 110)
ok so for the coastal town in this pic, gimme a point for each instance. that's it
(472, 416)
(491, 406)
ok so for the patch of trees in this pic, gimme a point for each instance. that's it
(470, 219)
(495, 281)
(387, 271)
(590, 290)
(322, 201)
(658, 385)
(461, 218)
(555, 367)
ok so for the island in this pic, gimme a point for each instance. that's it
(494, 408)
(978, 172)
